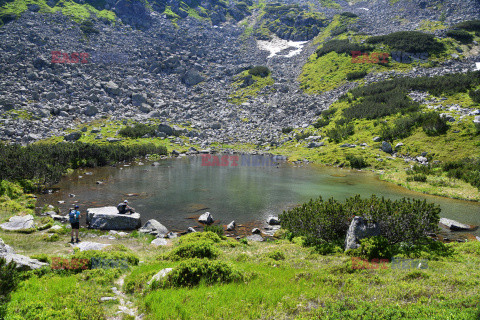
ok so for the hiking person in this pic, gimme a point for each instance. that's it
(74, 217)
(123, 208)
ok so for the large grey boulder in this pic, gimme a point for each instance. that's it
(165, 129)
(455, 225)
(87, 245)
(108, 218)
(272, 220)
(206, 218)
(112, 88)
(360, 228)
(18, 223)
(154, 227)
(160, 275)
(231, 226)
(74, 136)
(192, 77)
(23, 262)
(387, 147)
(159, 242)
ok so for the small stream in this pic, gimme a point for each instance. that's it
(175, 191)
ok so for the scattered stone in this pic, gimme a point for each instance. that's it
(190, 230)
(256, 231)
(172, 235)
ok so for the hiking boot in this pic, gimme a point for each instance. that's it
(78, 240)
(71, 241)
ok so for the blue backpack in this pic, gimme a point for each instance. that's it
(74, 215)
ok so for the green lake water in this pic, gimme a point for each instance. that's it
(178, 189)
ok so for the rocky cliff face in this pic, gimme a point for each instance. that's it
(175, 61)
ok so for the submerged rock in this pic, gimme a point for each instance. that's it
(108, 218)
(455, 225)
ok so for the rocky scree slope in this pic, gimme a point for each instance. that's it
(165, 65)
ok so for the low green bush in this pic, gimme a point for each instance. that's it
(434, 124)
(399, 220)
(357, 162)
(194, 237)
(215, 229)
(195, 271)
(42, 257)
(356, 75)
(56, 298)
(321, 122)
(474, 95)
(8, 283)
(460, 35)
(374, 247)
(128, 255)
(137, 131)
(276, 255)
(470, 25)
(348, 14)
(418, 178)
(341, 46)
(52, 237)
(287, 130)
(340, 132)
(201, 249)
(410, 41)
(259, 71)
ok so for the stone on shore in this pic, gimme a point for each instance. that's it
(272, 220)
(360, 228)
(159, 242)
(255, 237)
(231, 226)
(18, 223)
(108, 218)
(455, 225)
(160, 275)
(154, 227)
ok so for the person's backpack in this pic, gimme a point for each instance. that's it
(73, 216)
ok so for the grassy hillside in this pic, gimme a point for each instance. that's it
(278, 279)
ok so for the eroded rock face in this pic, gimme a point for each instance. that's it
(108, 218)
(359, 229)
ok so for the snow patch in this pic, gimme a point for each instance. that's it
(277, 45)
(477, 64)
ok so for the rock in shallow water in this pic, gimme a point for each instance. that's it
(108, 218)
